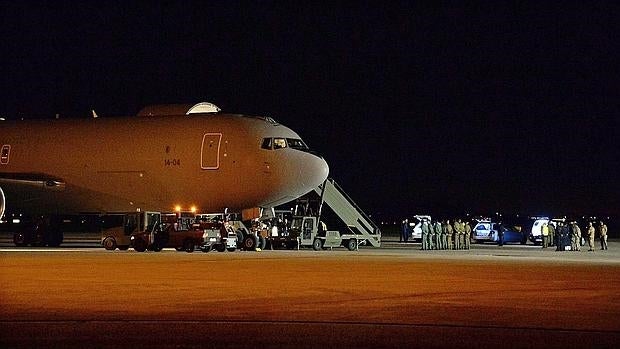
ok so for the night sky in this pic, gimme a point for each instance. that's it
(416, 108)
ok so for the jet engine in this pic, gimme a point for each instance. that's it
(2, 203)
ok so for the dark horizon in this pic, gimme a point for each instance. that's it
(415, 108)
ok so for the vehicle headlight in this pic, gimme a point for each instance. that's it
(132, 238)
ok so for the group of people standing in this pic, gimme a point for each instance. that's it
(569, 234)
(446, 235)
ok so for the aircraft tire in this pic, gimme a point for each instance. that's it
(109, 243)
(249, 243)
(220, 247)
(205, 249)
(139, 245)
(231, 249)
(189, 246)
(20, 239)
(317, 244)
(352, 244)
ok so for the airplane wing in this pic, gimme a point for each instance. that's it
(32, 180)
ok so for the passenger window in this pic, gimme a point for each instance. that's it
(266, 143)
(279, 143)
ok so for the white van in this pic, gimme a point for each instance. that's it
(415, 226)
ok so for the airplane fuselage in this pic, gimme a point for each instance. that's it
(208, 161)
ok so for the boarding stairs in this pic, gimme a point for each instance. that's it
(358, 222)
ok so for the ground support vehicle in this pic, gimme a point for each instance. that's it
(39, 231)
(218, 236)
(117, 228)
(307, 230)
(311, 235)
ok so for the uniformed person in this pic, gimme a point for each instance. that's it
(544, 231)
(448, 230)
(457, 234)
(433, 240)
(591, 232)
(577, 236)
(438, 235)
(444, 235)
(603, 232)
(551, 234)
(425, 235)
(467, 236)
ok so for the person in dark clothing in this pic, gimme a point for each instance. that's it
(500, 234)
(404, 233)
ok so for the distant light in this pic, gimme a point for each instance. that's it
(2, 119)
(16, 220)
(193, 209)
(177, 208)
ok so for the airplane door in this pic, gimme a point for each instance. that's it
(210, 152)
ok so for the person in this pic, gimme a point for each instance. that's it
(448, 231)
(425, 235)
(461, 234)
(591, 232)
(500, 234)
(544, 231)
(456, 234)
(577, 236)
(572, 236)
(603, 232)
(403, 231)
(551, 236)
(467, 235)
(560, 235)
(438, 235)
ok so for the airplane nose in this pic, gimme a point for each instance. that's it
(315, 172)
(300, 174)
(309, 172)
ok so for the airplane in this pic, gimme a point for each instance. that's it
(164, 158)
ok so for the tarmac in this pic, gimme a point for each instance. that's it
(396, 296)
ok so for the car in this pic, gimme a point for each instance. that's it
(415, 226)
(487, 231)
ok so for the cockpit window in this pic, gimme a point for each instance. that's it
(279, 143)
(297, 144)
(266, 143)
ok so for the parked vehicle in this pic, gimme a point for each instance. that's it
(487, 231)
(415, 225)
(117, 229)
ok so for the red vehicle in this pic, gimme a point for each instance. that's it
(203, 234)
